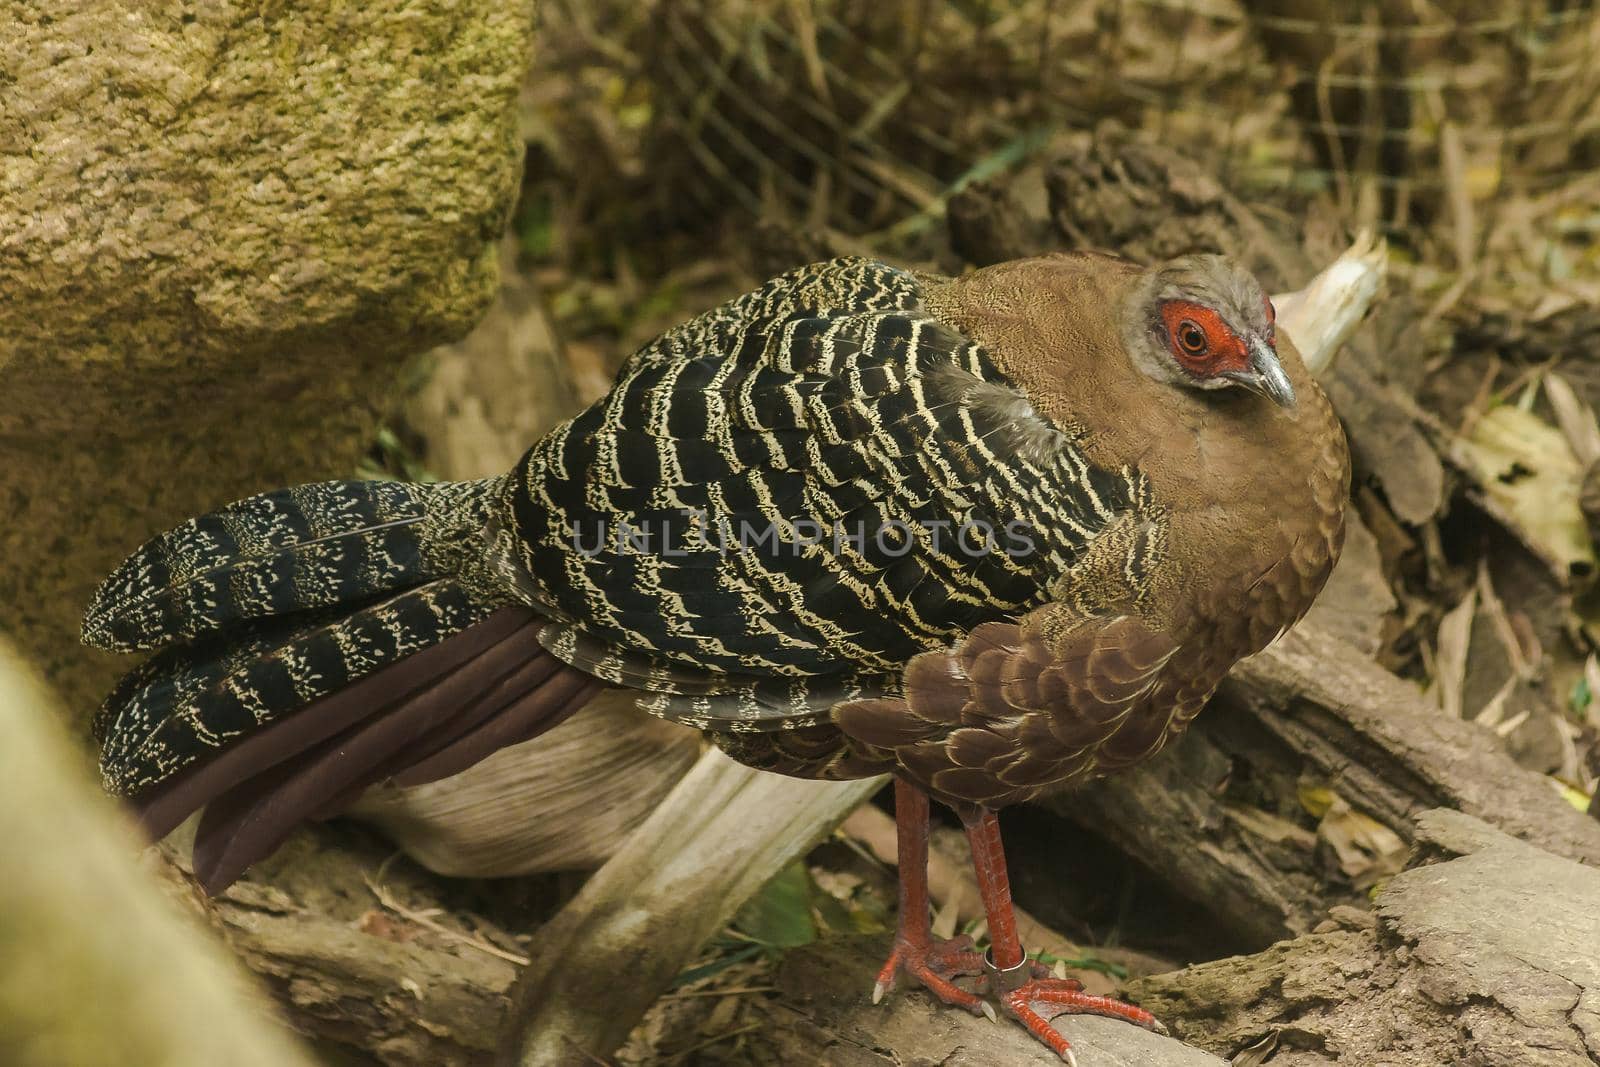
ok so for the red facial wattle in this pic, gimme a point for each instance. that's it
(1203, 344)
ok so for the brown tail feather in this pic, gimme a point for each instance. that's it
(494, 702)
(527, 678)
(168, 804)
(531, 714)
(253, 817)
(507, 680)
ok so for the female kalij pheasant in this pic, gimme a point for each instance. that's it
(996, 535)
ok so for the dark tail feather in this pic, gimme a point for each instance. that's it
(485, 730)
(292, 550)
(320, 641)
(496, 692)
(300, 727)
(191, 702)
(528, 676)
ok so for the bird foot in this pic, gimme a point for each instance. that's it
(935, 961)
(1038, 1000)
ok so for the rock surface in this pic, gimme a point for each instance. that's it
(495, 392)
(1488, 958)
(221, 227)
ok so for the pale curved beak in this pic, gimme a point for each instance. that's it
(1265, 375)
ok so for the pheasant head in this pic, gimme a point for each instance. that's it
(1203, 322)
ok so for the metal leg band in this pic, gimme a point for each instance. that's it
(1009, 979)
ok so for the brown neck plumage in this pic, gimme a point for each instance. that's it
(1253, 493)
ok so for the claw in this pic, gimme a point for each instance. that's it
(1036, 1002)
(933, 963)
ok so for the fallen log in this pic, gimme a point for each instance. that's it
(1221, 818)
(363, 956)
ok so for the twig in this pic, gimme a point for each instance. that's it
(713, 1041)
(734, 992)
(387, 900)
(586, 1054)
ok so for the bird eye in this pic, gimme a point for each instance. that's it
(1191, 337)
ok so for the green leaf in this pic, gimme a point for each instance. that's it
(716, 966)
(780, 915)
(1083, 963)
(1581, 696)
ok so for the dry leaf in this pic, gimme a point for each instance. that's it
(1257, 1052)
(1531, 480)
(721, 1016)
(1270, 827)
(1367, 850)
(1576, 420)
(1450, 657)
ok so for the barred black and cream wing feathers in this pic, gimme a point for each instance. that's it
(778, 505)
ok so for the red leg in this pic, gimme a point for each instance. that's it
(1026, 990)
(931, 961)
